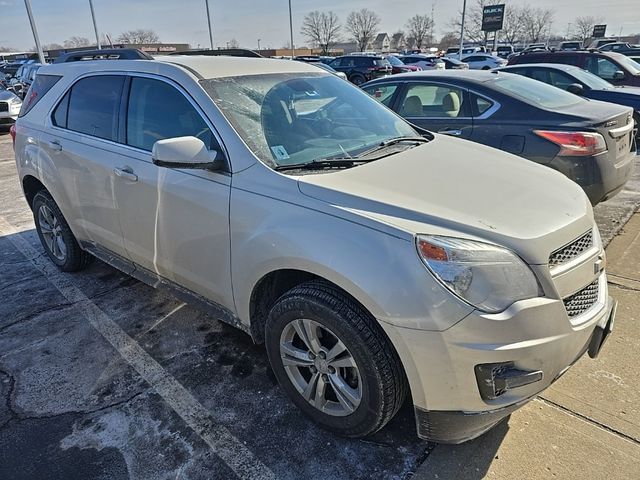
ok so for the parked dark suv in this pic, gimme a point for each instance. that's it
(362, 68)
(612, 67)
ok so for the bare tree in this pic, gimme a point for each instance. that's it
(535, 21)
(49, 46)
(322, 29)
(233, 43)
(584, 27)
(513, 25)
(420, 27)
(142, 35)
(75, 42)
(363, 25)
(451, 39)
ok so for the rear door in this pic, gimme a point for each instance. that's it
(175, 222)
(80, 142)
(436, 106)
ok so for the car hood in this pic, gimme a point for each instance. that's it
(456, 187)
(6, 95)
(619, 94)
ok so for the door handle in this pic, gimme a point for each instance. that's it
(126, 173)
(55, 145)
(454, 133)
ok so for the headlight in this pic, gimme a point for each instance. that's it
(488, 277)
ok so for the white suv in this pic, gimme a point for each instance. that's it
(370, 258)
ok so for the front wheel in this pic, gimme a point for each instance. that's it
(333, 360)
(55, 235)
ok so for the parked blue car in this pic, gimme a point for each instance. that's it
(580, 82)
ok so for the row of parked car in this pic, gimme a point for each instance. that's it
(375, 260)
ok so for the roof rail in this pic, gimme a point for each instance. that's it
(228, 52)
(104, 54)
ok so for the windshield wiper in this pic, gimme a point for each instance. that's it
(341, 162)
(389, 143)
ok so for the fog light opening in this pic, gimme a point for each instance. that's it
(495, 379)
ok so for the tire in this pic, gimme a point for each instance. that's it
(358, 80)
(486, 68)
(367, 385)
(56, 237)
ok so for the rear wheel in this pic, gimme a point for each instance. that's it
(333, 360)
(357, 80)
(55, 235)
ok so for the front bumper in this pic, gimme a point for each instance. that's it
(532, 335)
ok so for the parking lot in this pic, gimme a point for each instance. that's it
(103, 377)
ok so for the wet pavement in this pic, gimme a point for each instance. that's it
(104, 377)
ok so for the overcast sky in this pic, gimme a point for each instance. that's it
(184, 21)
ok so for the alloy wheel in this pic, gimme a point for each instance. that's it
(51, 230)
(320, 367)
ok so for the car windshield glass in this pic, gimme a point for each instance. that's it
(632, 66)
(589, 79)
(534, 92)
(299, 118)
(395, 61)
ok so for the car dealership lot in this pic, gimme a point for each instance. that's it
(104, 377)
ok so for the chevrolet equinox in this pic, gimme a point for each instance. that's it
(375, 262)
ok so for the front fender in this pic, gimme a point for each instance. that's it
(381, 271)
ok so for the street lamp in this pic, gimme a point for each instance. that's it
(464, 11)
(293, 50)
(95, 25)
(27, 4)
(209, 23)
(258, 45)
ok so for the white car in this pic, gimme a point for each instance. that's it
(10, 105)
(483, 61)
(425, 62)
(376, 263)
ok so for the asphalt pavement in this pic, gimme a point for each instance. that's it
(103, 377)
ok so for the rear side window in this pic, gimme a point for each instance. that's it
(91, 107)
(382, 93)
(40, 86)
(157, 111)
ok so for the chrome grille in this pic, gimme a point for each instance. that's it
(4, 107)
(580, 302)
(572, 250)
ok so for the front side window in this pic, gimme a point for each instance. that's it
(91, 106)
(432, 100)
(560, 79)
(288, 119)
(157, 111)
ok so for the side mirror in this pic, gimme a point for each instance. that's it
(186, 152)
(576, 89)
(619, 75)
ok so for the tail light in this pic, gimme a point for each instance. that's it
(576, 144)
(12, 131)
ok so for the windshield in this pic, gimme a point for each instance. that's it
(632, 66)
(288, 119)
(534, 92)
(590, 80)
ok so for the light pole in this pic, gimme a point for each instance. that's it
(464, 11)
(27, 4)
(209, 23)
(293, 50)
(258, 45)
(95, 25)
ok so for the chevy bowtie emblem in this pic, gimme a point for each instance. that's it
(600, 264)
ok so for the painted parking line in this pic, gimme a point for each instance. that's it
(222, 442)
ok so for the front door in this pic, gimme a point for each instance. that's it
(437, 107)
(175, 222)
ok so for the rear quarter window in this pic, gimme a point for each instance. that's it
(39, 88)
